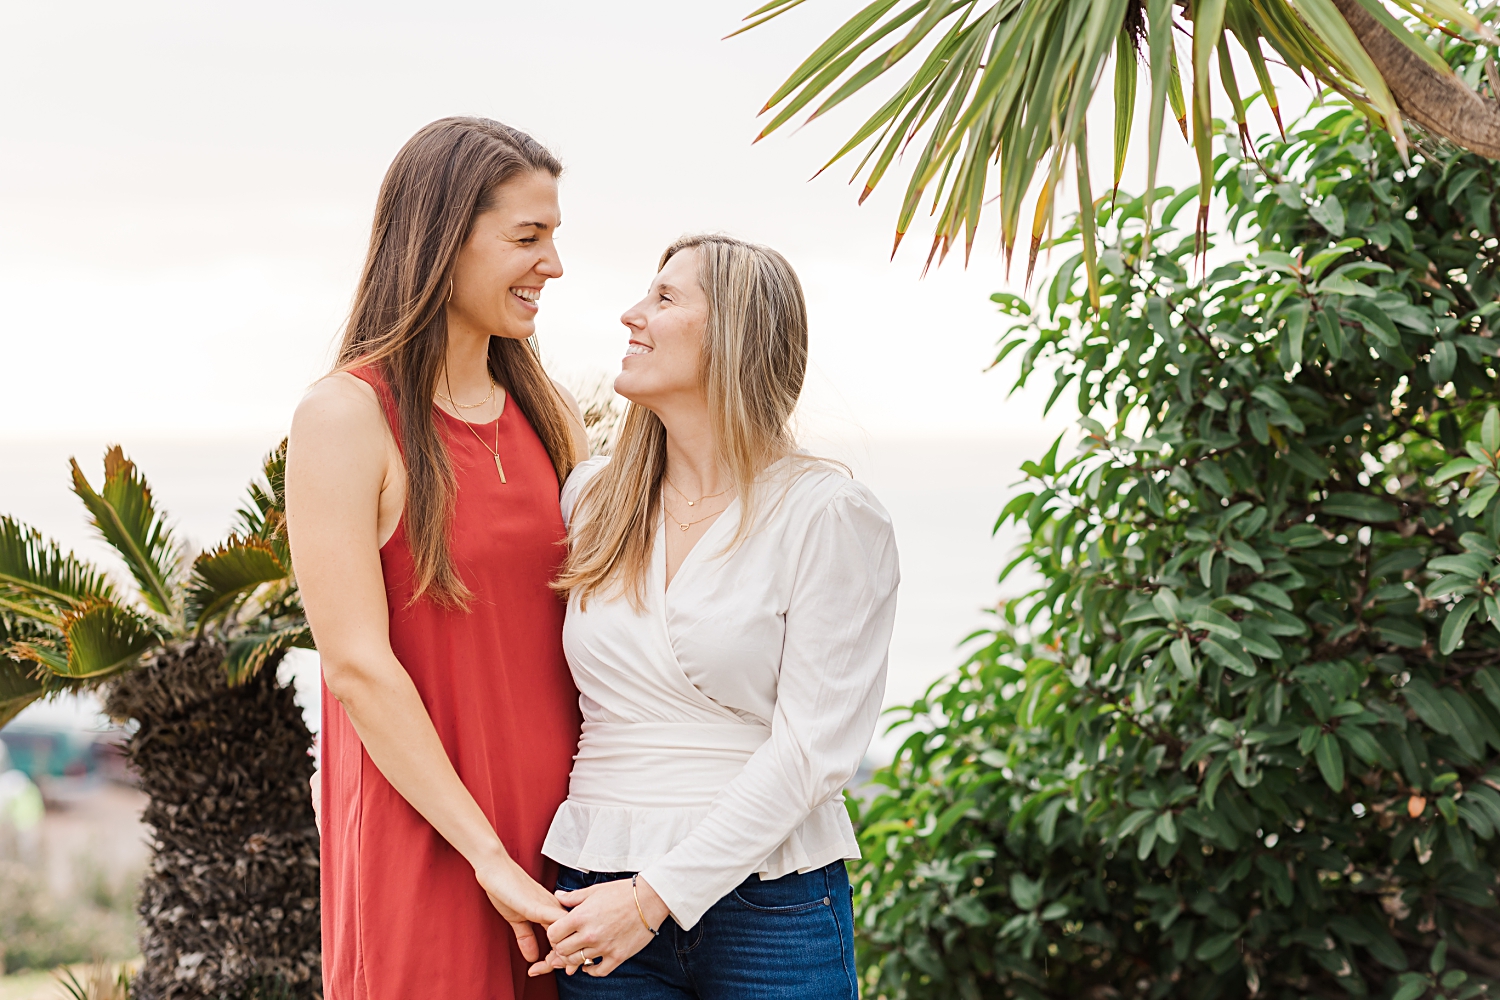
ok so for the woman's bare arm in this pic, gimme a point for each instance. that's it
(338, 463)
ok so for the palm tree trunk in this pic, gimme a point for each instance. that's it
(1441, 104)
(230, 902)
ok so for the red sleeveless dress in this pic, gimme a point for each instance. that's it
(403, 917)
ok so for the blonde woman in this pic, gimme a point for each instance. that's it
(730, 608)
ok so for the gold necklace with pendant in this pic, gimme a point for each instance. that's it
(495, 451)
(693, 503)
(685, 525)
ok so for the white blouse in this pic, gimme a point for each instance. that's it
(722, 721)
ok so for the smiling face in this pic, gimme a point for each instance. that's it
(663, 362)
(509, 256)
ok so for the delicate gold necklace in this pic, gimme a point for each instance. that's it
(495, 451)
(466, 406)
(694, 503)
(685, 525)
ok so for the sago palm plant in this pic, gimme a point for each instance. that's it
(1001, 88)
(188, 655)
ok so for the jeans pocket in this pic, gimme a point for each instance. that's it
(788, 894)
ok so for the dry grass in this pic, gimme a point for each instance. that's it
(97, 981)
(39, 931)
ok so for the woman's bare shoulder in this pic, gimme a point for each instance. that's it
(338, 408)
(338, 400)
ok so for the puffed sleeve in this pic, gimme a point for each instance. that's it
(828, 696)
(577, 480)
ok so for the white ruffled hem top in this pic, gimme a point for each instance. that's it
(722, 721)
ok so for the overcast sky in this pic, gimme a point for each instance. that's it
(186, 191)
(186, 188)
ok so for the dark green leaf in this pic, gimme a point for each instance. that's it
(1454, 624)
(1230, 656)
(1360, 507)
(1330, 761)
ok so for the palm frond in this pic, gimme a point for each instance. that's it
(264, 516)
(1001, 93)
(1351, 63)
(253, 650)
(1232, 88)
(1239, 18)
(228, 574)
(125, 514)
(1174, 94)
(1411, 41)
(26, 640)
(813, 76)
(98, 640)
(1125, 83)
(38, 580)
(1208, 27)
(1087, 219)
(19, 687)
(1159, 40)
(765, 13)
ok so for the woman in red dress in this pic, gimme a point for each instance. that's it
(422, 507)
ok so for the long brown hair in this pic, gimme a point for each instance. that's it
(754, 362)
(444, 178)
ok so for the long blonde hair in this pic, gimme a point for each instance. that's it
(754, 362)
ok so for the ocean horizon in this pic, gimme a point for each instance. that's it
(943, 494)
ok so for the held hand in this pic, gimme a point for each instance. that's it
(520, 900)
(604, 924)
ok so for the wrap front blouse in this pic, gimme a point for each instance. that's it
(722, 721)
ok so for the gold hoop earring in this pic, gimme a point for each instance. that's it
(450, 292)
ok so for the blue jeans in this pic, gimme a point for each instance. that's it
(785, 939)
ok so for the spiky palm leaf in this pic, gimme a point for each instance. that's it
(255, 563)
(125, 514)
(76, 629)
(37, 579)
(20, 684)
(98, 640)
(23, 679)
(228, 576)
(265, 517)
(19, 687)
(1007, 86)
(251, 651)
(248, 582)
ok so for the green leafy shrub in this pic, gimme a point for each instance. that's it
(1241, 739)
